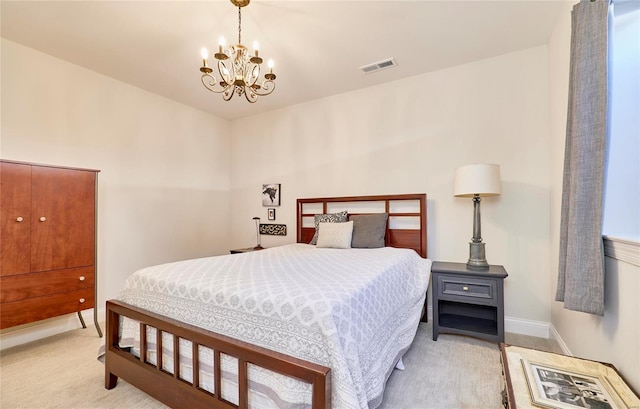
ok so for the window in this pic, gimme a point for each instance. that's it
(621, 225)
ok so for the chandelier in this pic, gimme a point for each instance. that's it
(238, 71)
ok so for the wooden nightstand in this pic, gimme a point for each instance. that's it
(468, 302)
(245, 250)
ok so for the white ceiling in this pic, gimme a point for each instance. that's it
(317, 46)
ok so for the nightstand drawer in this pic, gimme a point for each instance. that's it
(478, 291)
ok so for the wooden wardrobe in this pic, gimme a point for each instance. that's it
(47, 242)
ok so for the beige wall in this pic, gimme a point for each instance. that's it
(408, 137)
(615, 337)
(164, 180)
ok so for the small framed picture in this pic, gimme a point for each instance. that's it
(271, 195)
(271, 213)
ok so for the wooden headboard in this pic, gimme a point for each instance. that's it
(407, 210)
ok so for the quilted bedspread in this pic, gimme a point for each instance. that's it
(355, 311)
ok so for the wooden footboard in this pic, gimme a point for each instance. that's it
(173, 390)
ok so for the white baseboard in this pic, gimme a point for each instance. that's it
(523, 326)
(23, 334)
(556, 335)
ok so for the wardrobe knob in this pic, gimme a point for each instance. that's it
(19, 219)
(82, 300)
(43, 219)
(81, 278)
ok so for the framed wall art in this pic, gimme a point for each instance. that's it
(271, 195)
(549, 380)
(273, 229)
(559, 388)
(271, 213)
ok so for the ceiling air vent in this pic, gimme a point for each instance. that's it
(380, 65)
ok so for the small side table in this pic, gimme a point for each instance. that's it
(468, 301)
(245, 250)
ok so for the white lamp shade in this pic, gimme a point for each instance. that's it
(477, 179)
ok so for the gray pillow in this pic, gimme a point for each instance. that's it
(369, 230)
(339, 217)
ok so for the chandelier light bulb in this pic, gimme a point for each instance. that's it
(221, 43)
(204, 69)
(270, 64)
(256, 47)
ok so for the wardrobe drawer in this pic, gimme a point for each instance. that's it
(24, 286)
(39, 308)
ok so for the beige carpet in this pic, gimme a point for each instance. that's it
(63, 372)
(454, 372)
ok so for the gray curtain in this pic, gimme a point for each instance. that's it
(581, 266)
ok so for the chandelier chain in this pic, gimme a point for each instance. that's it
(239, 25)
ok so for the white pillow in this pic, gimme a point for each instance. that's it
(335, 235)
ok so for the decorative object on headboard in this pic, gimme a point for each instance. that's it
(273, 229)
(475, 181)
(271, 194)
(258, 246)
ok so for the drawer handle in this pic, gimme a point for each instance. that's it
(81, 278)
(19, 219)
(43, 219)
(82, 300)
(465, 288)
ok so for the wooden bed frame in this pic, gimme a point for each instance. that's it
(175, 392)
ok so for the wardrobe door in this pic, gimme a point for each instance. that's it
(15, 210)
(63, 218)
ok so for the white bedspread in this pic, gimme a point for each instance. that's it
(355, 311)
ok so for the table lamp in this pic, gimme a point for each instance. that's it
(258, 246)
(476, 181)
